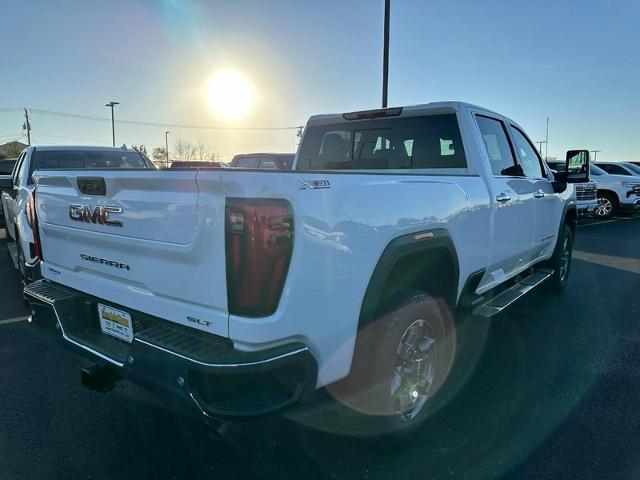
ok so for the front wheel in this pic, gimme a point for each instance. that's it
(561, 260)
(607, 205)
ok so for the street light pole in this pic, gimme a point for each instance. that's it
(546, 142)
(113, 128)
(166, 146)
(385, 54)
(595, 154)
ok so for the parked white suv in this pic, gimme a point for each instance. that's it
(17, 192)
(241, 292)
(586, 192)
(616, 193)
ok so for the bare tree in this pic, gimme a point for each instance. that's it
(188, 151)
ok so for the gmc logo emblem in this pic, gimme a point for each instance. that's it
(100, 214)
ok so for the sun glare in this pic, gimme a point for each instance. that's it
(230, 93)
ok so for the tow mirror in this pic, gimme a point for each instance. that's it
(577, 166)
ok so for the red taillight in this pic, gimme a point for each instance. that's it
(259, 242)
(33, 222)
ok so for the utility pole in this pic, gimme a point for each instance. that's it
(546, 142)
(27, 126)
(595, 154)
(113, 128)
(166, 146)
(540, 142)
(385, 54)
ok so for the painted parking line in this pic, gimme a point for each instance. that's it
(622, 219)
(13, 320)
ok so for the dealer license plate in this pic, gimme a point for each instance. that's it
(115, 322)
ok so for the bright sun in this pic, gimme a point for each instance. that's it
(230, 93)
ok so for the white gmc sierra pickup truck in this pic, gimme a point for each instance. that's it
(243, 291)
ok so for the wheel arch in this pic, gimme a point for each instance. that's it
(407, 262)
(613, 193)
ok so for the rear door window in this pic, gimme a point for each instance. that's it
(614, 169)
(17, 171)
(424, 142)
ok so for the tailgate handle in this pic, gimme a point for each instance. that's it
(92, 185)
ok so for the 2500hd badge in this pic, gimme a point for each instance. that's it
(104, 261)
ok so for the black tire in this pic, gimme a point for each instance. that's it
(608, 205)
(417, 338)
(561, 261)
(21, 263)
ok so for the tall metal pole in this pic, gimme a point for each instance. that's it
(385, 55)
(166, 146)
(595, 154)
(27, 126)
(113, 128)
(546, 142)
(540, 142)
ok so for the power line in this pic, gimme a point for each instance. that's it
(156, 124)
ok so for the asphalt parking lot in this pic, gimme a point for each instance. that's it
(555, 393)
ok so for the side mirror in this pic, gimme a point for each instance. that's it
(577, 166)
(6, 183)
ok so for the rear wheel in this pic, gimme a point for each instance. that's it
(607, 205)
(401, 362)
(21, 264)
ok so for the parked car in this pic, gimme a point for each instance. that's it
(619, 168)
(617, 194)
(273, 161)
(18, 192)
(586, 193)
(252, 289)
(196, 164)
(6, 167)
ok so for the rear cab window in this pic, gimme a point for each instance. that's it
(413, 142)
(247, 162)
(84, 159)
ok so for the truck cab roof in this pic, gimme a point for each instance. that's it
(432, 108)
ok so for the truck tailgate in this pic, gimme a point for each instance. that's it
(150, 250)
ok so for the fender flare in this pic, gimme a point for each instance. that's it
(420, 242)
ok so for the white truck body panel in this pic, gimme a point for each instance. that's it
(172, 238)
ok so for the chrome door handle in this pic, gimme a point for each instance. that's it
(538, 194)
(503, 197)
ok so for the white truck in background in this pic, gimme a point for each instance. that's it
(16, 192)
(242, 292)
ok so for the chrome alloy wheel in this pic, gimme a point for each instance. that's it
(604, 208)
(413, 370)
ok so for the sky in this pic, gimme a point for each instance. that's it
(577, 63)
